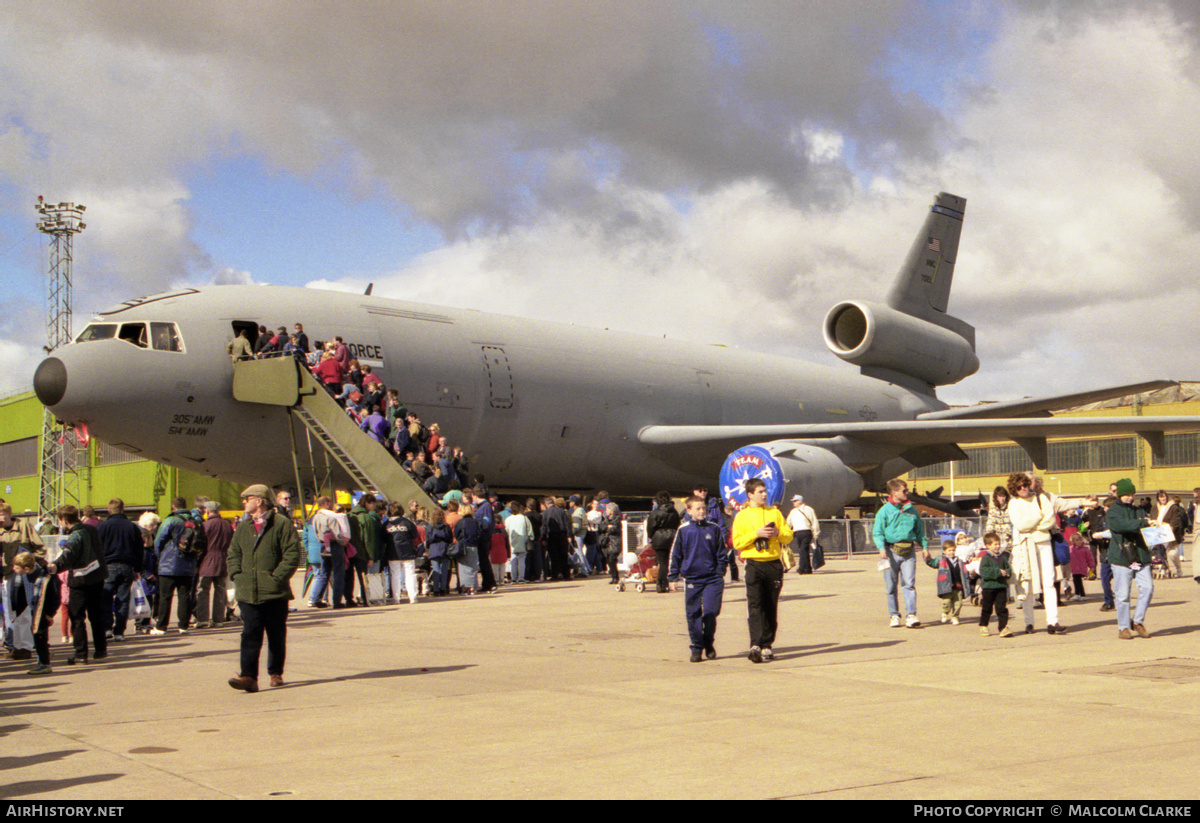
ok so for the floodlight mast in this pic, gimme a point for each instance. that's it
(61, 222)
(64, 457)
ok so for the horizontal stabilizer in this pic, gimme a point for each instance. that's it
(955, 508)
(1044, 405)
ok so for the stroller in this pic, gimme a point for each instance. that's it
(639, 569)
(1158, 562)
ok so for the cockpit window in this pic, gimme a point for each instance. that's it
(134, 333)
(160, 336)
(97, 331)
(165, 337)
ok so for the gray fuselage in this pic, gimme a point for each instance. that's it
(535, 405)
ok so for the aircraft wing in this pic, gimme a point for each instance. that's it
(1042, 406)
(924, 432)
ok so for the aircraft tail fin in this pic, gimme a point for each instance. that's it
(911, 339)
(922, 286)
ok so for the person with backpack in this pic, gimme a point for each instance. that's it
(332, 532)
(661, 526)
(179, 545)
(418, 434)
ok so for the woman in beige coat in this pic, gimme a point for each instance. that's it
(1033, 514)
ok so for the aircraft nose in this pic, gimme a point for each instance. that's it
(50, 381)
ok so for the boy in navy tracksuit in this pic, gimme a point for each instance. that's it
(700, 557)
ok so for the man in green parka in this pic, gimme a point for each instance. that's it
(263, 556)
(1130, 560)
(372, 534)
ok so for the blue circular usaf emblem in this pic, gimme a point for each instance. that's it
(746, 463)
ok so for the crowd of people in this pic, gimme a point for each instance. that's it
(110, 574)
(473, 544)
(423, 451)
(1035, 551)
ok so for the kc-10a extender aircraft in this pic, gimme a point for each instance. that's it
(539, 405)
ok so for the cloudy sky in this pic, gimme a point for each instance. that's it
(721, 172)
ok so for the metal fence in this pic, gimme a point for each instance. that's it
(839, 538)
(846, 538)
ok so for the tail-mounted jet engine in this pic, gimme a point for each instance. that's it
(883, 342)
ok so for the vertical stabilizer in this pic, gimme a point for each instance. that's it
(911, 340)
(922, 287)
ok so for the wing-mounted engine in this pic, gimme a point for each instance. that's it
(791, 468)
(893, 345)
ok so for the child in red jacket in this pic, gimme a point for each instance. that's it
(499, 553)
(1082, 562)
(951, 580)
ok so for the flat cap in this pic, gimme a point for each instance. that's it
(257, 490)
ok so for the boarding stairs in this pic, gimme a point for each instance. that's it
(282, 381)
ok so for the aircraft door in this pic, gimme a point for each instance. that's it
(248, 326)
(499, 377)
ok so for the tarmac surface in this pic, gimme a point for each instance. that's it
(575, 690)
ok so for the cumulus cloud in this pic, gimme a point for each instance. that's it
(141, 232)
(229, 276)
(1082, 228)
(22, 359)
(453, 107)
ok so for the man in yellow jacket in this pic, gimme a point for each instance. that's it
(759, 535)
